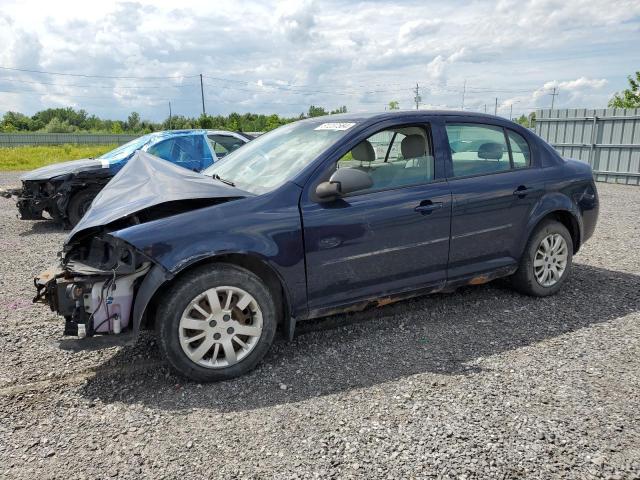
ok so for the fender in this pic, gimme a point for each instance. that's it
(551, 202)
(267, 229)
(158, 277)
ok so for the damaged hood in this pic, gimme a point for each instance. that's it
(63, 168)
(146, 181)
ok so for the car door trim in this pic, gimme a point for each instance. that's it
(385, 250)
(484, 230)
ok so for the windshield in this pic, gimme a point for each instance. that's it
(278, 156)
(123, 151)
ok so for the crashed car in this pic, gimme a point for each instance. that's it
(326, 215)
(65, 190)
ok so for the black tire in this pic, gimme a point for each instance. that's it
(79, 204)
(524, 280)
(178, 298)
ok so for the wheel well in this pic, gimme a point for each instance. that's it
(251, 263)
(570, 223)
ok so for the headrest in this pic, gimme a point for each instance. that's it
(364, 152)
(491, 151)
(413, 146)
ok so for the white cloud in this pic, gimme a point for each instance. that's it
(359, 53)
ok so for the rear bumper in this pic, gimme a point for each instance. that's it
(590, 208)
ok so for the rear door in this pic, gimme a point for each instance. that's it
(391, 238)
(495, 184)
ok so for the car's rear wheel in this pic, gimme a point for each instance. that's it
(79, 204)
(546, 262)
(216, 323)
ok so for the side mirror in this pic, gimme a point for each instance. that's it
(343, 181)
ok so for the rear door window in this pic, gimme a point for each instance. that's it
(188, 151)
(224, 144)
(477, 149)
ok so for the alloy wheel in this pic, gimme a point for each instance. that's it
(220, 327)
(550, 260)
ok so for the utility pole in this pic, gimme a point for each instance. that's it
(553, 97)
(417, 98)
(169, 114)
(464, 90)
(511, 112)
(485, 108)
(202, 94)
(495, 110)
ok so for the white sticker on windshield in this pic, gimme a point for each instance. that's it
(335, 126)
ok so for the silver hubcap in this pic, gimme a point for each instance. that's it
(220, 327)
(550, 260)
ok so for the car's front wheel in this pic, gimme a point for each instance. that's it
(79, 204)
(546, 262)
(216, 323)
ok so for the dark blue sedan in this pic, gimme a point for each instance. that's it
(321, 216)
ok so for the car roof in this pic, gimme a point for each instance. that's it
(377, 116)
(175, 133)
(163, 134)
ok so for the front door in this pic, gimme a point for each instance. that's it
(390, 238)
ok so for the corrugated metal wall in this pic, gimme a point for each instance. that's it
(21, 139)
(608, 139)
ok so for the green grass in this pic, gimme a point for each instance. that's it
(28, 158)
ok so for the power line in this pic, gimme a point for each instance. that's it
(137, 87)
(93, 76)
(292, 88)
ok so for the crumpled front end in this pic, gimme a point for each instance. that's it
(94, 289)
(49, 189)
(33, 199)
(104, 284)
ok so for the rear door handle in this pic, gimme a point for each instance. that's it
(521, 191)
(427, 206)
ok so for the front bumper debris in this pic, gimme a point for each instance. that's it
(96, 304)
(30, 206)
(10, 192)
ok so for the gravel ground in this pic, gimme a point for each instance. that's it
(481, 383)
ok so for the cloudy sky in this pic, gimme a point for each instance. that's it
(112, 58)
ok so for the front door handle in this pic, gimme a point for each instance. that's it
(427, 206)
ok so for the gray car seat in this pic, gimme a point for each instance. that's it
(381, 174)
(419, 165)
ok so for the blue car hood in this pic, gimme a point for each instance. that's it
(146, 181)
(63, 168)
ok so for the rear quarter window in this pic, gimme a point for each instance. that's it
(520, 151)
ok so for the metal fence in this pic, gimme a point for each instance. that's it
(22, 139)
(608, 139)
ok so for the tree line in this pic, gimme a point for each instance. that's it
(70, 120)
